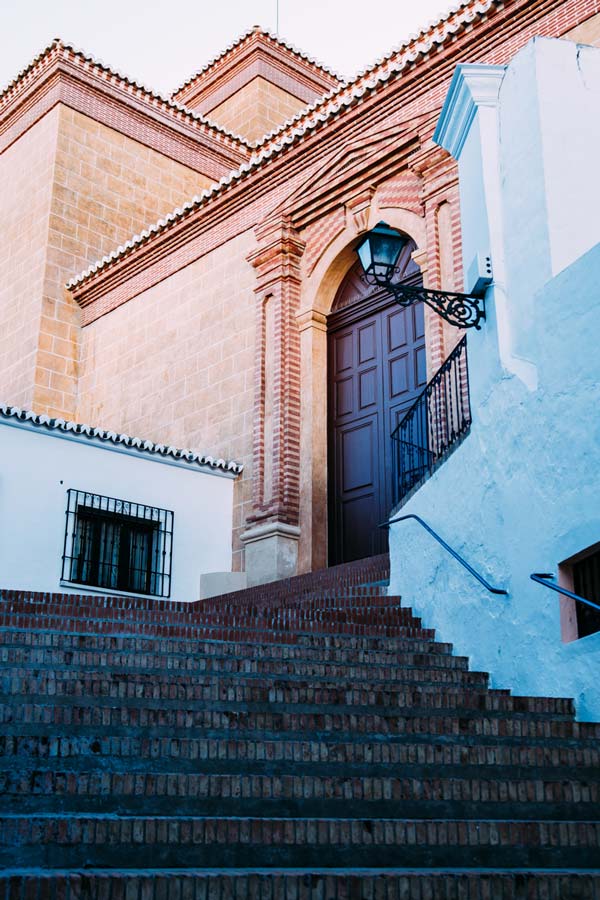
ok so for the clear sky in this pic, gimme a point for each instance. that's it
(160, 43)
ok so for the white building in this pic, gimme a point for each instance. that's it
(520, 492)
(83, 510)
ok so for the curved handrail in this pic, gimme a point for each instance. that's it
(449, 549)
(541, 578)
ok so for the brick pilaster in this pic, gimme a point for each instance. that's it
(277, 388)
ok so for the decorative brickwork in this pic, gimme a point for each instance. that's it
(256, 54)
(277, 265)
(295, 207)
(320, 233)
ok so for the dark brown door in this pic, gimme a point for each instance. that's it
(376, 370)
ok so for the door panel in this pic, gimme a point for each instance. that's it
(376, 371)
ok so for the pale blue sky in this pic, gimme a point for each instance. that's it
(161, 43)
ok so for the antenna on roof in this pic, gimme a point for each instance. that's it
(277, 18)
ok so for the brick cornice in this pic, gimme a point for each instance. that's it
(495, 39)
(278, 255)
(255, 50)
(125, 107)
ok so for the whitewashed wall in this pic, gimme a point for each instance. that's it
(39, 465)
(522, 492)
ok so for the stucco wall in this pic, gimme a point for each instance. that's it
(521, 493)
(26, 171)
(37, 467)
(176, 363)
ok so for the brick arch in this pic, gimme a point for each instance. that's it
(320, 286)
(318, 291)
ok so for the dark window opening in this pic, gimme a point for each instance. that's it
(117, 544)
(586, 583)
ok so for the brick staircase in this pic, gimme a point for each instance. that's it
(305, 739)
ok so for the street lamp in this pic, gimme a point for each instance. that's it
(379, 252)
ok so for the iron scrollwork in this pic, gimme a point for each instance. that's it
(462, 310)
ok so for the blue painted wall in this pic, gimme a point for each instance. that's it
(522, 492)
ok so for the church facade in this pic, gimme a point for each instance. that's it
(185, 268)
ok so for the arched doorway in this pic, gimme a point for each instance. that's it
(376, 369)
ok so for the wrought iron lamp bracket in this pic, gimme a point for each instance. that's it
(462, 310)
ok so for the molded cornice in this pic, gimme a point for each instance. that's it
(472, 87)
(486, 28)
(257, 52)
(64, 75)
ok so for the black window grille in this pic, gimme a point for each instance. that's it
(117, 544)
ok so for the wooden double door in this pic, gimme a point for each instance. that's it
(376, 366)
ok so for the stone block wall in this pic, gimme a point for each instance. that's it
(93, 188)
(176, 364)
(256, 109)
(26, 172)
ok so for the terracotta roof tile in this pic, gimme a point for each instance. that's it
(312, 118)
(63, 48)
(256, 29)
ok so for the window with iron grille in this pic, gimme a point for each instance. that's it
(117, 544)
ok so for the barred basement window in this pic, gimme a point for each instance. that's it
(117, 544)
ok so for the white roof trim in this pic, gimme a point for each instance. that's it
(112, 440)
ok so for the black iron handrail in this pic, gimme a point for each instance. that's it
(449, 549)
(437, 420)
(542, 578)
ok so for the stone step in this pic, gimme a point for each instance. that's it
(100, 606)
(316, 883)
(153, 717)
(273, 691)
(319, 779)
(294, 791)
(195, 669)
(55, 745)
(173, 841)
(322, 631)
(118, 649)
(294, 617)
(259, 688)
(452, 883)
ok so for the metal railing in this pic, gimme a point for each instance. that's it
(437, 420)
(542, 578)
(448, 548)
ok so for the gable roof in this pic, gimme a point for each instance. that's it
(58, 48)
(258, 33)
(314, 117)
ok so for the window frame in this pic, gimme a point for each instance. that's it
(128, 521)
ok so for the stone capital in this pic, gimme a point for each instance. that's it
(421, 258)
(278, 255)
(312, 318)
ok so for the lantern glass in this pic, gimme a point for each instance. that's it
(380, 250)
